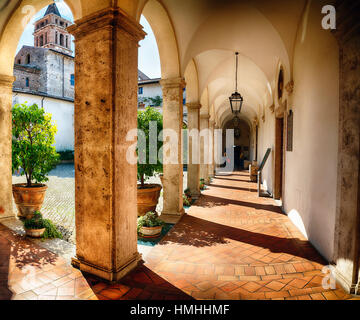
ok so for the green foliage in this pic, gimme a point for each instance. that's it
(66, 155)
(202, 184)
(144, 118)
(186, 201)
(152, 101)
(32, 145)
(187, 192)
(38, 222)
(150, 219)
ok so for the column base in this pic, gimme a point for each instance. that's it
(172, 218)
(195, 195)
(106, 274)
(348, 286)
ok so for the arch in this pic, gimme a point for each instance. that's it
(16, 21)
(28, 59)
(162, 27)
(61, 39)
(192, 82)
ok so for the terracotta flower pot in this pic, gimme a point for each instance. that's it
(28, 200)
(147, 198)
(35, 233)
(150, 232)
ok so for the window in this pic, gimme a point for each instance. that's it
(67, 42)
(41, 40)
(56, 38)
(141, 90)
(19, 61)
(56, 21)
(28, 59)
(72, 79)
(27, 82)
(46, 38)
(61, 39)
(184, 101)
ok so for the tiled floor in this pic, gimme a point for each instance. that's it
(231, 245)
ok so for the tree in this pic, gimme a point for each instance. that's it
(32, 145)
(147, 169)
(152, 101)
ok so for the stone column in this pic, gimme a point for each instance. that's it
(105, 110)
(204, 167)
(216, 153)
(173, 172)
(193, 176)
(347, 228)
(211, 166)
(6, 209)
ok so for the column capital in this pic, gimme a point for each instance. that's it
(173, 83)
(193, 105)
(6, 81)
(211, 122)
(205, 116)
(113, 17)
(290, 87)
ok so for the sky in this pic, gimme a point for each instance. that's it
(149, 60)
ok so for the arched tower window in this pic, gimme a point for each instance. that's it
(28, 59)
(56, 38)
(41, 40)
(61, 39)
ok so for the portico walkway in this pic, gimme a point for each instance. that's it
(230, 245)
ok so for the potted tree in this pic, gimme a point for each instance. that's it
(148, 194)
(149, 225)
(32, 151)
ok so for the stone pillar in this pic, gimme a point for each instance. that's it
(6, 209)
(193, 176)
(173, 173)
(216, 153)
(347, 228)
(204, 167)
(211, 166)
(105, 110)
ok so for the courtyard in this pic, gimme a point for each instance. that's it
(230, 245)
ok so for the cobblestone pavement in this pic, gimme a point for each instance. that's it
(59, 204)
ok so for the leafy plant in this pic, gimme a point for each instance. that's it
(32, 145)
(150, 219)
(147, 169)
(187, 192)
(202, 184)
(38, 222)
(66, 155)
(186, 201)
(153, 101)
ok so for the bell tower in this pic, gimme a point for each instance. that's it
(50, 31)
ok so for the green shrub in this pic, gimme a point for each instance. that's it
(67, 155)
(38, 222)
(186, 201)
(32, 145)
(150, 219)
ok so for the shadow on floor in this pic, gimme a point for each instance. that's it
(193, 231)
(233, 188)
(140, 284)
(207, 201)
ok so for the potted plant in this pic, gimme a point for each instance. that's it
(148, 194)
(32, 151)
(202, 184)
(38, 227)
(187, 198)
(149, 225)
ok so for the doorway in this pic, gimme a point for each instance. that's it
(279, 158)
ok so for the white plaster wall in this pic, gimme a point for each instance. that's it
(266, 139)
(151, 90)
(311, 169)
(62, 114)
